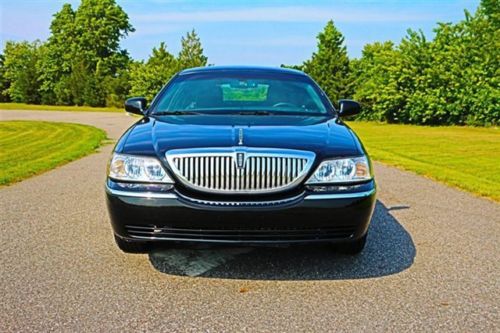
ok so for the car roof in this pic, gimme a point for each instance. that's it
(210, 69)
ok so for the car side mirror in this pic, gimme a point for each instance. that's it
(348, 108)
(136, 105)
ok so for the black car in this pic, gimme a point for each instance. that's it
(243, 155)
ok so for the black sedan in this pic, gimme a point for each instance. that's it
(243, 155)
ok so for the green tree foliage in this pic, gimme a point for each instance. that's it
(329, 65)
(296, 67)
(118, 86)
(84, 62)
(452, 79)
(149, 77)
(4, 82)
(191, 54)
(482, 51)
(375, 76)
(56, 65)
(21, 72)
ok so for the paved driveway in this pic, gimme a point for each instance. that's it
(431, 263)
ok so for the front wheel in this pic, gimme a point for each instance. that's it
(132, 246)
(354, 247)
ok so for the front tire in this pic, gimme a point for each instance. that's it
(132, 246)
(353, 247)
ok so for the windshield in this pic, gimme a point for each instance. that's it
(246, 93)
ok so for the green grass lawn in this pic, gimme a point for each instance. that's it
(23, 106)
(28, 148)
(464, 157)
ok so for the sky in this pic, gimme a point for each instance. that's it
(254, 32)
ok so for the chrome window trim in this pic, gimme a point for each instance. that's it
(232, 153)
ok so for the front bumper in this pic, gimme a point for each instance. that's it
(299, 218)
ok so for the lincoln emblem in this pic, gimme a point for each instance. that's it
(240, 160)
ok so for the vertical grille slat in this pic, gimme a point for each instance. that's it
(273, 172)
(269, 183)
(191, 169)
(294, 167)
(233, 175)
(247, 175)
(290, 168)
(259, 173)
(211, 175)
(278, 172)
(197, 163)
(251, 168)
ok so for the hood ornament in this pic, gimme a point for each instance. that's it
(240, 137)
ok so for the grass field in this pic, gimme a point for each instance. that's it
(464, 157)
(22, 106)
(28, 148)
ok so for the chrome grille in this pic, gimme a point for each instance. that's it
(240, 169)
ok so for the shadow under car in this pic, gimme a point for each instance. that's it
(389, 250)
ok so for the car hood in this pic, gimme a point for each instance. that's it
(325, 136)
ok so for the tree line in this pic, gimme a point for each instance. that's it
(82, 63)
(452, 78)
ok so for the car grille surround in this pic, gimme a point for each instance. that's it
(240, 170)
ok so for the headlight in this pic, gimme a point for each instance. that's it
(138, 169)
(345, 170)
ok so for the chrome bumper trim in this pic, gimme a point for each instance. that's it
(145, 195)
(244, 204)
(328, 196)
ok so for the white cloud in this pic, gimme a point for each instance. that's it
(289, 41)
(155, 28)
(286, 14)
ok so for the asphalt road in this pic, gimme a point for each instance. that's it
(431, 263)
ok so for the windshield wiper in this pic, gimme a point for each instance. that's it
(256, 113)
(176, 113)
(241, 113)
(282, 113)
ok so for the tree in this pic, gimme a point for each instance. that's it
(83, 53)
(375, 77)
(191, 54)
(452, 79)
(99, 26)
(20, 69)
(481, 34)
(118, 86)
(4, 82)
(329, 65)
(297, 67)
(56, 65)
(148, 78)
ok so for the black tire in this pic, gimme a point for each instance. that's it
(354, 247)
(132, 246)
